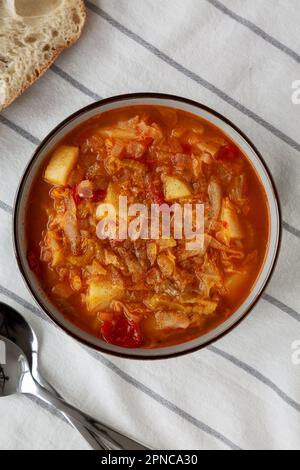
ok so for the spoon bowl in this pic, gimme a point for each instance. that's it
(13, 372)
(15, 328)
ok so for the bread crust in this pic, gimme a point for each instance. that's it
(42, 69)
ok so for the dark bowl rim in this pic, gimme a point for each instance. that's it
(120, 98)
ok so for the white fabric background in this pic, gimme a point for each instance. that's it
(239, 57)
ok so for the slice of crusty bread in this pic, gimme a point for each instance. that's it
(32, 34)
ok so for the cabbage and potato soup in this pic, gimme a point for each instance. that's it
(146, 293)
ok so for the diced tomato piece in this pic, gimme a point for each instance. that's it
(99, 195)
(158, 195)
(187, 148)
(150, 163)
(148, 141)
(76, 197)
(122, 332)
(154, 190)
(34, 261)
(228, 152)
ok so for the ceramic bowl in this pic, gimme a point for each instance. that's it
(198, 109)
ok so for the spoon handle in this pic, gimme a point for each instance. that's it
(95, 441)
(116, 440)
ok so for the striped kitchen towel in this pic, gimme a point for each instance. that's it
(242, 58)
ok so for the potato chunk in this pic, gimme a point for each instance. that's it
(61, 164)
(235, 285)
(117, 133)
(57, 258)
(209, 147)
(112, 197)
(174, 189)
(232, 225)
(101, 292)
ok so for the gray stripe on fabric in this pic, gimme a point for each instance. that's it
(256, 30)
(283, 307)
(50, 409)
(258, 375)
(289, 228)
(5, 207)
(193, 76)
(79, 86)
(128, 378)
(19, 130)
(27, 305)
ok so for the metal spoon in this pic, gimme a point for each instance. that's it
(15, 328)
(16, 378)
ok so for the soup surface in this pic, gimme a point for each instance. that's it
(146, 292)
